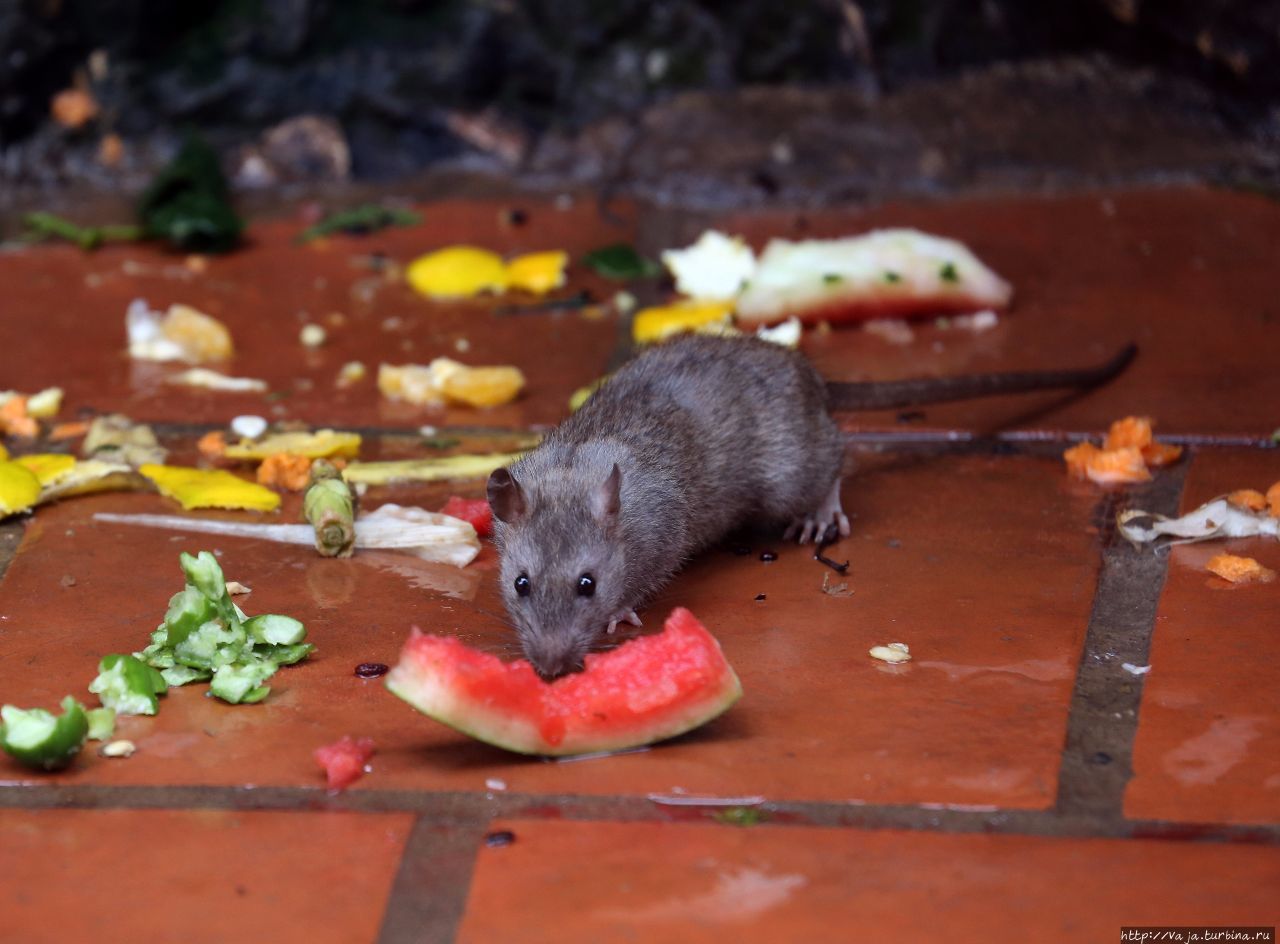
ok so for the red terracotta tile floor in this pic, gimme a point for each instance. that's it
(1012, 782)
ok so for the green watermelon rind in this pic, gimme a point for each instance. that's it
(422, 688)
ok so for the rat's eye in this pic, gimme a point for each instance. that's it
(586, 585)
(523, 586)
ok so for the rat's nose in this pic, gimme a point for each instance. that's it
(552, 657)
(550, 671)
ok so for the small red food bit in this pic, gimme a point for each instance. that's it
(475, 511)
(344, 760)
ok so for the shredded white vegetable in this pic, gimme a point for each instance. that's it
(1214, 519)
(425, 534)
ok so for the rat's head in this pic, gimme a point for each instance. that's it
(562, 563)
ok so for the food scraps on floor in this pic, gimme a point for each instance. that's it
(179, 334)
(205, 637)
(415, 531)
(344, 761)
(1238, 569)
(893, 653)
(1127, 455)
(446, 381)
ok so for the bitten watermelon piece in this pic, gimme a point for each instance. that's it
(646, 690)
(344, 760)
(474, 511)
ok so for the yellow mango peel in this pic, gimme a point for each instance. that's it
(209, 488)
(537, 272)
(47, 467)
(457, 272)
(322, 444)
(19, 488)
(655, 324)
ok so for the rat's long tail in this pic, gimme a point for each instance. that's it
(893, 394)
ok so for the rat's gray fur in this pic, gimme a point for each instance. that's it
(708, 434)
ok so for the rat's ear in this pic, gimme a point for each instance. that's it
(608, 497)
(506, 497)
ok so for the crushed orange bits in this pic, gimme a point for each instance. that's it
(286, 471)
(1273, 500)
(1239, 569)
(1126, 456)
(213, 444)
(447, 381)
(1248, 498)
(1130, 431)
(15, 420)
(1107, 466)
(68, 430)
(1158, 455)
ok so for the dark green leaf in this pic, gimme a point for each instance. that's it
(620, 261)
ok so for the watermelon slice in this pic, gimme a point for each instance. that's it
(894, 273)
(648, 689)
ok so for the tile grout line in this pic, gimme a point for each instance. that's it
(468, 809)
(1102, 721)
(429, 893)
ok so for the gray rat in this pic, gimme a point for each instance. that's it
(687, 442)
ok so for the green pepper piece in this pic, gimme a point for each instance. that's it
(241, 682)
(157, 656)
(205, 574)
(189, 609)
(212, 645)
(126, 684)
(102, 723)
(179, 675)
(284, 655)
(38, 739)
(275, 630)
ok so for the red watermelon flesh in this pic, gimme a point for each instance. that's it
(648, 689)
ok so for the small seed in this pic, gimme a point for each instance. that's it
(368, 670)
(502, 837)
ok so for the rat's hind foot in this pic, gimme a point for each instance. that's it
(814, 526)
(629, 616)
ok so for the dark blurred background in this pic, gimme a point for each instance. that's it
(714, 102)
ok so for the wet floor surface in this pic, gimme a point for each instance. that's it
(1014, 769)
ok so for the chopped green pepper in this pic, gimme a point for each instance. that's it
(275, 630)
(212, 645)
(39, 739)
(948, 273)
(188, 610)
(242, 683)
(128, 685)
(102, 723)
(206, 637)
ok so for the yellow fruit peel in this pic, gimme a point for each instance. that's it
(321, 444)
(210, 488)
(457, 272)
(93, 475)
(47, 467)
(445, 468)
(19, 488)
(537, 272)
(655, 324)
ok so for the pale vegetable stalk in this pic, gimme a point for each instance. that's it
(424, 534)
